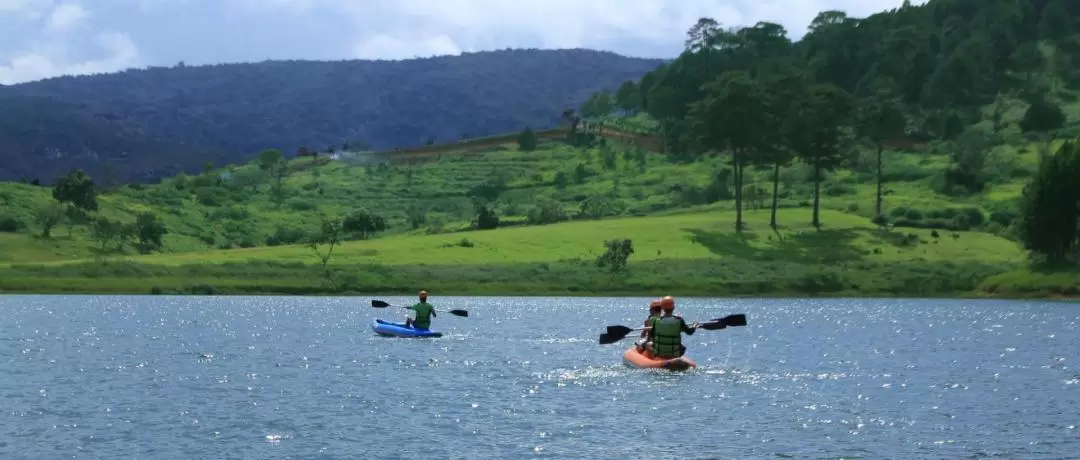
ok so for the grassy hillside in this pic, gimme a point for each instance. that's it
(683, 243)
(244, 108)
(233, 207)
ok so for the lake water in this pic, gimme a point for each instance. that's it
(292, 377)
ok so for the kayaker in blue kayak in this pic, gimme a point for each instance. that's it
(666, 332)
(424, 313)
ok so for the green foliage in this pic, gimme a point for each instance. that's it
(1042, 116)
(78, 189)
(616, 254)
(363, 224)
(1049, 211)
(105, 231)
(486, 218)
(628, 97)
(326, 239)
(677, 277)
(600, 206)
(286, 235)
(546, 211)
(49, 216)
(417, 215)
(527, 140)
(10, 223)
(149, 231)
(966, 174)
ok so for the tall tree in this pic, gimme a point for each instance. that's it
(1049, 206)
(273, 162)
(880, 119)
(78, 189)
(821, 114)
(732, 115)
(782, 89)
(702, 35)
(628, 97)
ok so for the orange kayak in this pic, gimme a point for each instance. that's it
(633, 357)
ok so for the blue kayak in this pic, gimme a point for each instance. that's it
(388, 329)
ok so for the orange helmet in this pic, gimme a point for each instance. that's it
(423, 294)
(654, 306)
(667, 303)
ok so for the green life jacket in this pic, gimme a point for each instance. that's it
(423, 315)
(667, 336)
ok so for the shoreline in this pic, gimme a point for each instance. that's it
(377, 293)
(735, 279)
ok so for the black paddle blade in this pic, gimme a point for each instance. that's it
(607, 339)
(459, 313)
(720, 323)
(379, 304)
(614, 334)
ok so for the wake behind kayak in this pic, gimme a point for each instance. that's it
(390, 329)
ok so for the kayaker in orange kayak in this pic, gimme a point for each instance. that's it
(654, 313)
(666, 332)
(424, 313)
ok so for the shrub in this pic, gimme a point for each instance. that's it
(285, 235)
(230, 212)
(299, 204)
(616, 255)
(10, 223)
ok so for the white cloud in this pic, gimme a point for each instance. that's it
(388, 47)
(66, 17)
(50, 52)
(407, 28)
(214, 30)
(34, 65)
(150, 5)
(294, 6)
(7, 6)
(23, 9)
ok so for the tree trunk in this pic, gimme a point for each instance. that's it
(775, 194)
(817, 195)
(736, 158)
(877, 206)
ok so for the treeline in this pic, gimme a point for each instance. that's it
(915, 74)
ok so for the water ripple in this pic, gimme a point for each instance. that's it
(268, 377)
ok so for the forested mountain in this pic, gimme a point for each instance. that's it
(945, 72)
(146, 123)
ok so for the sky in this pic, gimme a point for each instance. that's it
(47, 38)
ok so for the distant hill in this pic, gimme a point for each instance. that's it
(154, 122)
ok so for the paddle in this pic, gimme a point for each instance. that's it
(381, 304)
(617, 333)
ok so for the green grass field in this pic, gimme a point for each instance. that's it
(1029, 282)
(693, 253)
(697, 235)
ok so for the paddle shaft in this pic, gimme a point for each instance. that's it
(381, 304)
(617, 333)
